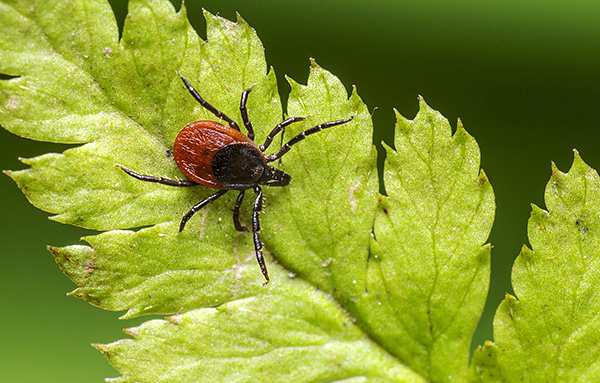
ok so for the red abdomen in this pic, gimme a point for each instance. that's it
(197, 144)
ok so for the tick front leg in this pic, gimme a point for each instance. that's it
(236, 212)
(159, 180)
(256, 230)
(206, 105)
(199, 206)
(244, 113)
(278, 129)
(285, 148)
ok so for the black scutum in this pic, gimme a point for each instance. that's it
(238, 166)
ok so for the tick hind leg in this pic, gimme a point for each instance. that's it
(199, 206)
(159, 180)
(166, 181)
(236, 212)
(256, 230)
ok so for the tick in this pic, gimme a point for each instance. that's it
(222, 157)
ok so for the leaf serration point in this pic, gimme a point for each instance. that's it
(103, 348)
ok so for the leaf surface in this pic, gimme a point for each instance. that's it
(363, 287)
(293, 333)
(550, 330)
(428, 248)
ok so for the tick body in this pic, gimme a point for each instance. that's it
(222, 157)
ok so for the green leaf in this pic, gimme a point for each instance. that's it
(363, 287)
(484, 366)
(330, 206)
(294, 333)
(140, 107)
(427, 251)
(550, 331)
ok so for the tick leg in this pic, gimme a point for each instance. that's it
(199, 206)
(278, 177)
(208, 106)
(159, 180)
(244, 113)
(286, 147)
(236, 212)
(278, 129)
(256, 231)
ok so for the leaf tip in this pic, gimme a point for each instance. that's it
(207, 13)
(103, 348)
(293, 83)
(183, 9)
(61, 258)
(555, 171)
(483, 178)
(240, 20)
(131, 313)
(525, 255)
(537, 211)
(53, 250)
(422, 104)
(488, 344)
(525, 250)
(355, 98)
(214, 21)
(401, 121)
(175, 319)
(578, 162)
(461, 132)
(77, 293)
(26, 161)
(131, 331)
(313, 64)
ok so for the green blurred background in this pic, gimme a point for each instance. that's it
(523, 77)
